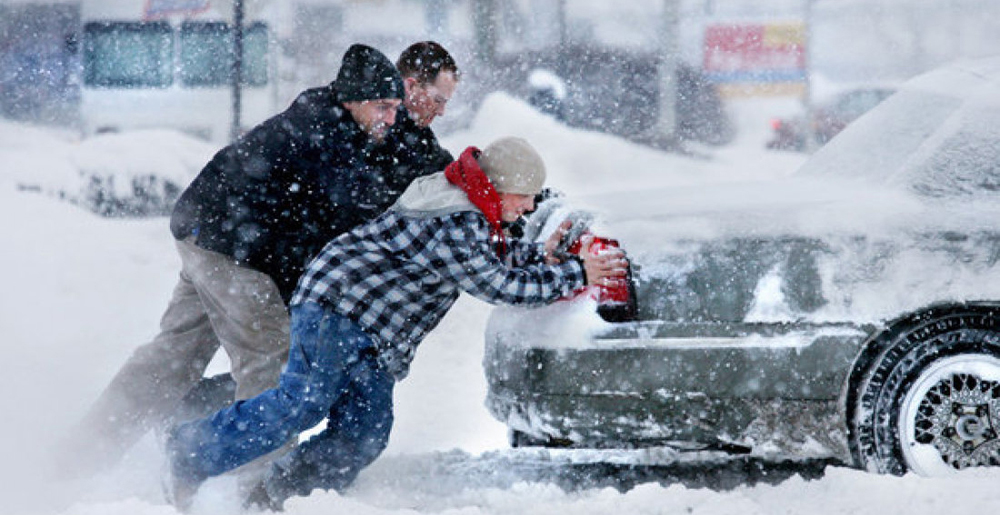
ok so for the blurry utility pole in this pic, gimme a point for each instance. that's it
(807, 92)
(563, 29)
(436, 13)
(666, 123)
(484, 17)
(237, 73)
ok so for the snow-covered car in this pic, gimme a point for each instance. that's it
(850, 311)
(825, 121)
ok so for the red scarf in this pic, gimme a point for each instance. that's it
(465, 173)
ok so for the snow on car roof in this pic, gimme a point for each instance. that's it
(924, 159)
(937, 136)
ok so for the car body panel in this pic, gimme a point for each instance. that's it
(677, 385)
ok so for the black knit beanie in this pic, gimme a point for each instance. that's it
(367, 74)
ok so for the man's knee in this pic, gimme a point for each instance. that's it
(305, 406)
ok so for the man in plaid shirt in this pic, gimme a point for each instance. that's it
(363, 306)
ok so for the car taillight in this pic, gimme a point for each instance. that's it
(612, 291)
(616, 299)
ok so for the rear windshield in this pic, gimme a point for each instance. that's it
(965, 160)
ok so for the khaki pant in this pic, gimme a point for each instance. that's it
(215, 302)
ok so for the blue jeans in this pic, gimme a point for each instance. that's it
(332, 371)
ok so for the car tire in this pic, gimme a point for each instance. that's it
(928, 398)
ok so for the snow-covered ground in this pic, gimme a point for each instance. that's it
(81, 291)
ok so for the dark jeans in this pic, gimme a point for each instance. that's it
(332, 371)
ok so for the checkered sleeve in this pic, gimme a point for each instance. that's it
(466, 257)
(524, 253)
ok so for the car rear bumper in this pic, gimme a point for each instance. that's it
(774, 388)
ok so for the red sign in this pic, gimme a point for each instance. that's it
(156, 9)
(755, 53)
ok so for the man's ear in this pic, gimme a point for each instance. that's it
(409, 83)
(352, 107)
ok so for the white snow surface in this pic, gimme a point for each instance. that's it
(80, 292)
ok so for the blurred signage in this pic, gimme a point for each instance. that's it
(756, 58)
(156, 9)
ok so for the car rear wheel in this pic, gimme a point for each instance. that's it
(949, 417)
(930, 401)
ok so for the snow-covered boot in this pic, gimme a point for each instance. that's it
(258, 499)
(178, 483)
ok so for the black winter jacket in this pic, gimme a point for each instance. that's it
(410, 150)
(276, 196)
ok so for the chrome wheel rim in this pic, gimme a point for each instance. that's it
(950, 417)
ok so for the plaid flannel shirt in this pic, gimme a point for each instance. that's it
(398, 275)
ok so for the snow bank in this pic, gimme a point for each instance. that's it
(137, 173)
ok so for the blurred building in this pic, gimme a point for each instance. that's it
(851, 40)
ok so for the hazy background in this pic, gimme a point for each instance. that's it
(847, 42)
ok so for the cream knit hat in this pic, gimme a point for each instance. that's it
(513, 166)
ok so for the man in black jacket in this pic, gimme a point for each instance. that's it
(245, 229)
